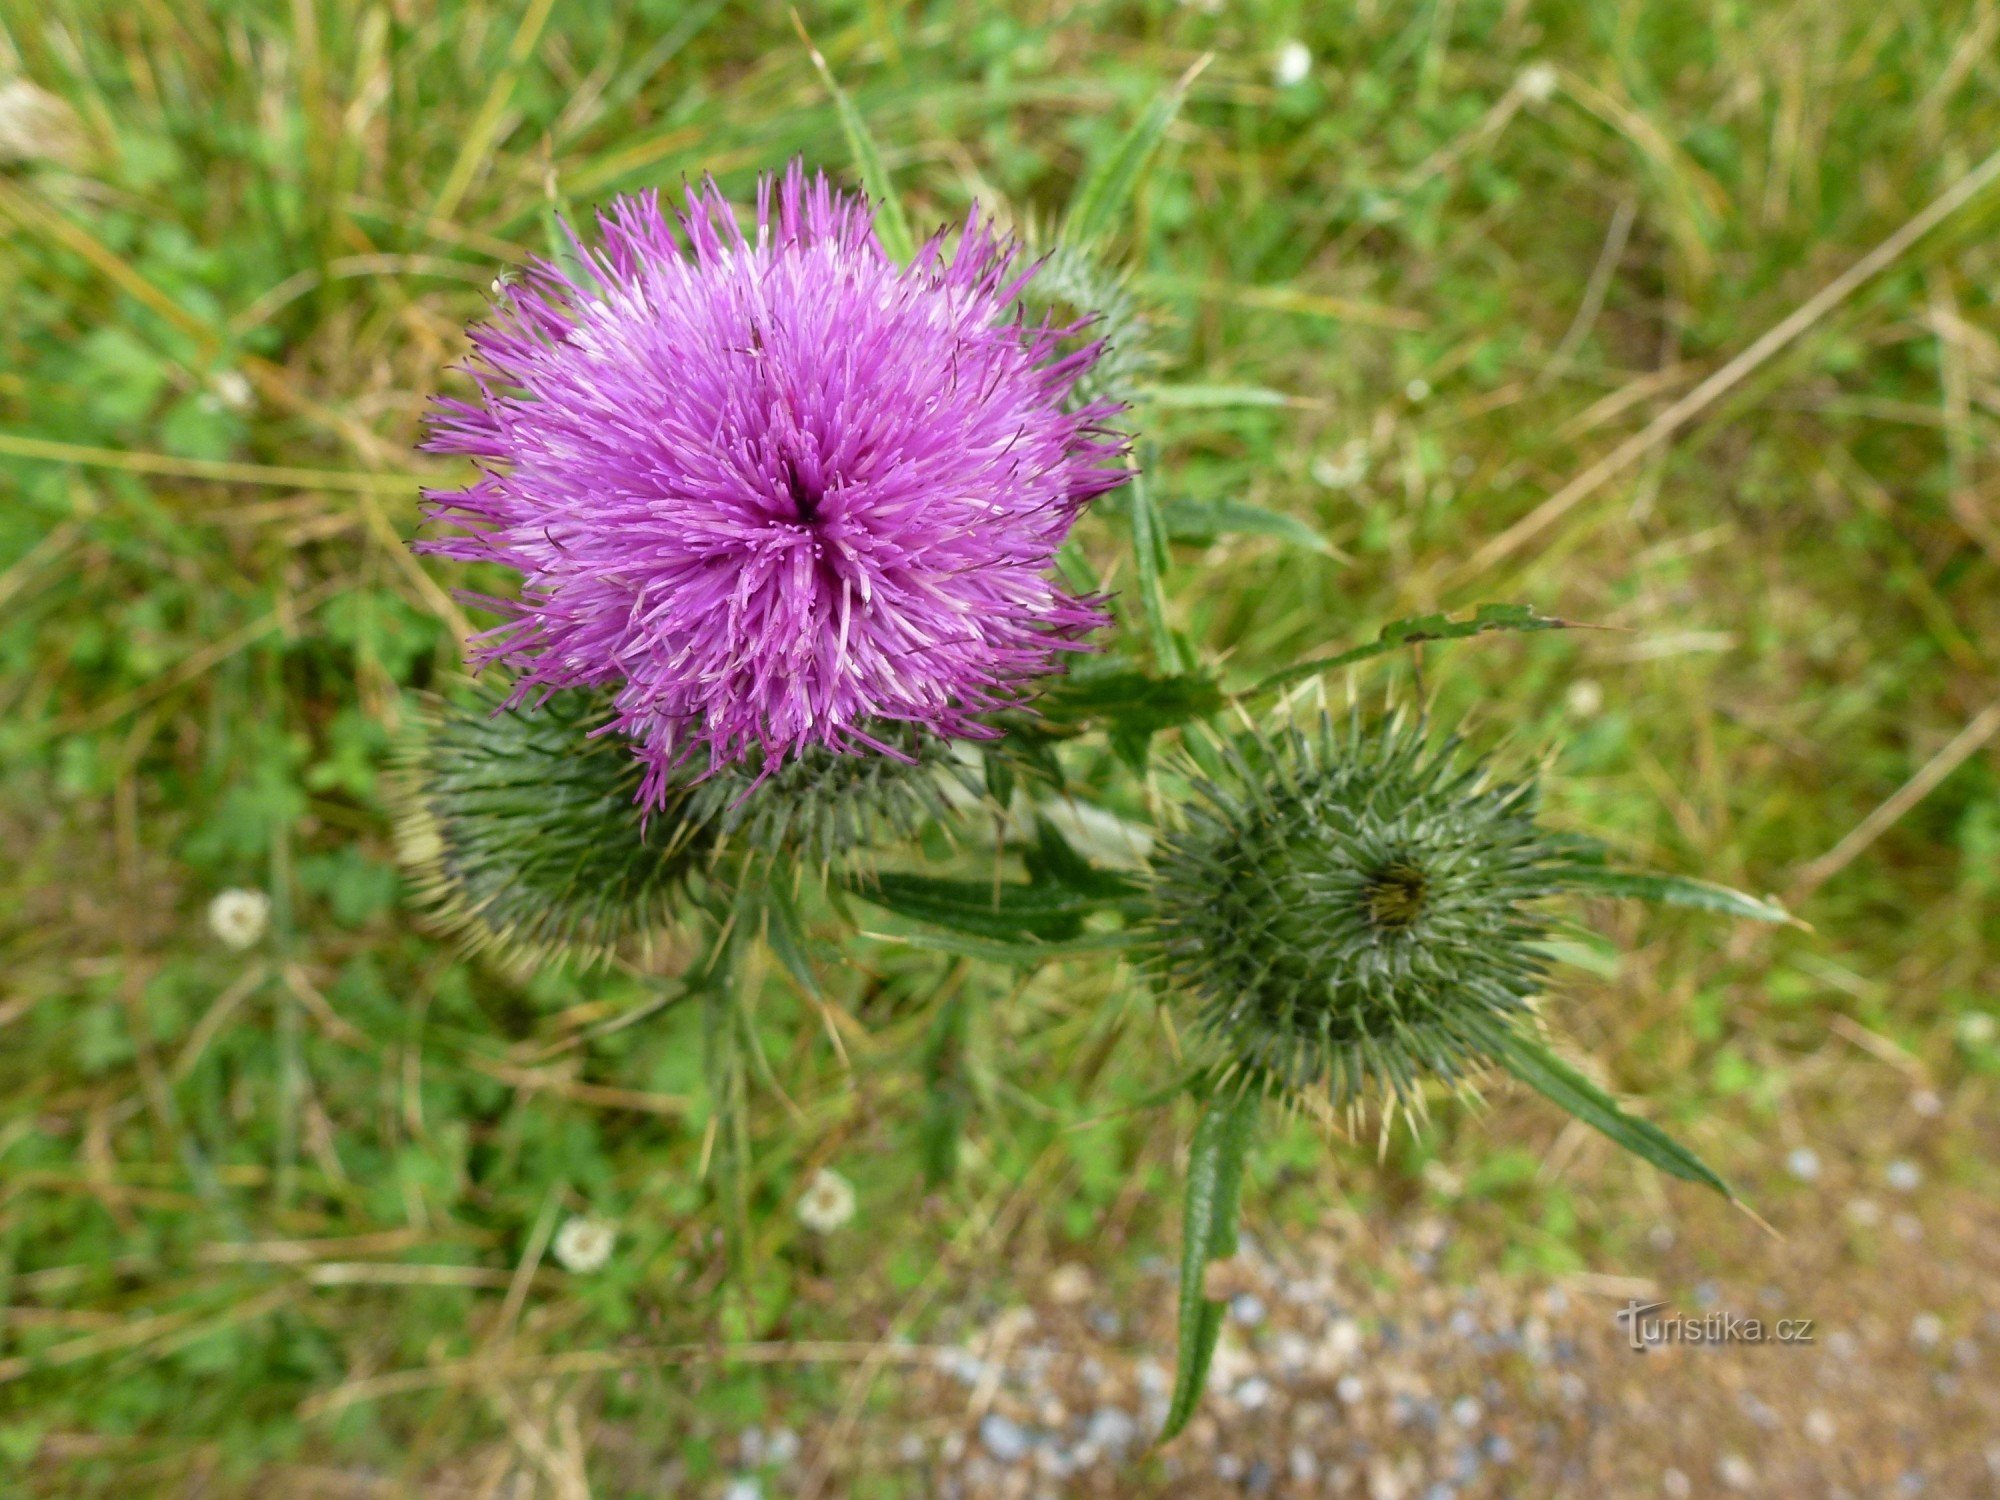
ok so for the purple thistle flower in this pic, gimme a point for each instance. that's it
(776, 489)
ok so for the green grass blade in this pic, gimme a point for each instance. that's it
(1208, 1232)
(1537, 1067)
(1205, 520)
(892, 224)
(1677, 890)
(1149, 546)
(1106, 191)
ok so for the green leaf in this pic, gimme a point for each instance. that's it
(1675, 890)
(1131, 699)
(1054, 860)
(1208, 1232)
(1205, 520)
(1106, 192)
(1025, 953)
(1537, 1067)
(1412, 632)
(1006, 911)
(892, 225)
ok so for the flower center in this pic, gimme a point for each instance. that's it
(805, 495)
(1395, 897)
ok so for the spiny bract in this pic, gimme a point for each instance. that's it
(774, 489)
(520, 830)
(1352, 907)
(522, 835)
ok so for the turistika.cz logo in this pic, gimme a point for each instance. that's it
(1648, 1326)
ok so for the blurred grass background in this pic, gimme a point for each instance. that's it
(1478, 245)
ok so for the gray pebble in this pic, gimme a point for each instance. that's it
(1005, 1439)
(1247, 1308)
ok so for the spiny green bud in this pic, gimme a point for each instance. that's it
(521, 832)
(1351, 907)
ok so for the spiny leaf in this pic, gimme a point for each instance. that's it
(1537, 1067)
(1208, 1232)
(1103, 196)
(1676, 890)
(1413, 631)
(892, 225)
(1205, 520)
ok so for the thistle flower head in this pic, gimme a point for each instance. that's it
(1352, 908)
(771, 488)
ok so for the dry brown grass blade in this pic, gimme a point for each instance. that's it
(1961, 748)
(1774, 340)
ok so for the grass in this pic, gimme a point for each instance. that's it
(237, 1189)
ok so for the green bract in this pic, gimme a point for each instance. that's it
(520, 831)
(1352, 907)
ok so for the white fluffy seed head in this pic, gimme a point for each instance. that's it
(827, 1203)
(1538, 82)
(583, 1245)
(239, 917)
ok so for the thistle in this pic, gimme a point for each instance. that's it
(1352, 909)
(521, 832)
(773, 490)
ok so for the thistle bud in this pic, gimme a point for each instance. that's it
(522, 832)
(1351, 908)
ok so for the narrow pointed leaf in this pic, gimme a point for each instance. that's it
(1540, 1069)
(1208, 1232)
(892, 225)
(1676, 890)
(786, 934)
(1412, 632)
(947, 1096)
(1006, 912)
(1106, 192)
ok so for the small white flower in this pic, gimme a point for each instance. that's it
(827, 1203)
(1903, 1175)
(1418, 390)
(1804, 1164)
(239, 917)
(1538, 82)
(1977, 1028)
(583, 1245)
(232, 390)
(1293, 64)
